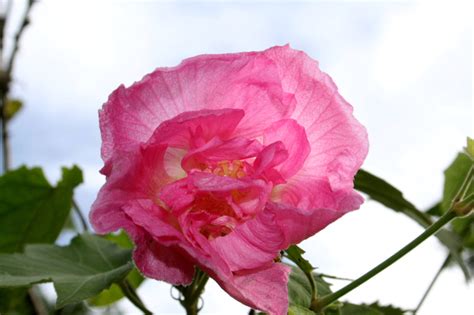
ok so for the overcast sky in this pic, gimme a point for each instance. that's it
(405, 67)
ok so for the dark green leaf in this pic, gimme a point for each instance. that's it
(114, 294)
(79, 271)
(294, 253)
(12, 107)
(31, 210)
(387, 310)
(453, 178)
(15, 301)
(347, 308)
(435, 210)
(353, 309)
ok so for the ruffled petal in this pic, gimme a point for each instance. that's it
(253, 244)
(245, 81)
(338, 141)
(293, 136)
(166, 263)
(218, 150)
(304, 207)
(193, 129)
(264, 289)
(131, 176)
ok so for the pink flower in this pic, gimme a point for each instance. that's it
(224, 161)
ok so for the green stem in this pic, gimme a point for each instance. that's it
(328, 299)
(428, 290)
(130, 293)
(191, 293)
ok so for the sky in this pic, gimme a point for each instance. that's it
(406, 67)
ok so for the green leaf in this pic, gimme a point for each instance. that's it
(353, 309)
(435, 210)
(299, 288)
(381, 191)
(453, 178)
(135, 279)
(12, 107)
(388, 309)
(15, 301)
(372, 309)
(294, 253)
(299, 310)
(31, 210)
(79, 271)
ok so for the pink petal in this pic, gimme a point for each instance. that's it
(218, 150)
(253, 244)
(304, 207)
(264, 290)
(132, 175)
(271, 156)
(245, 81)
(166, 231)
(161, 262)
(193, 129)
(338, 141)
(293, 136)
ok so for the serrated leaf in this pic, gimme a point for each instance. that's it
(354, 309)
(381, 191)
(134, 278)
(12, 107)
(79, 271)
(295, 254)
(387, 309)
(31, 210)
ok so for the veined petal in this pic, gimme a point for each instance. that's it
(253, 244)
(264, 289)
(166, 263)
(248, 81)
(338, 141)
(304, 207)
(293, 137)
(193, 129)
(131, 176)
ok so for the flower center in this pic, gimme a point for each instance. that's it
(234, 169)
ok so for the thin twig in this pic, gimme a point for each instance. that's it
(5, 137)
(438, 273)
(16, 42)
(80, 215)
(130, 293)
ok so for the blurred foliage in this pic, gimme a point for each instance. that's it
(134, 278)
(79, 271)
